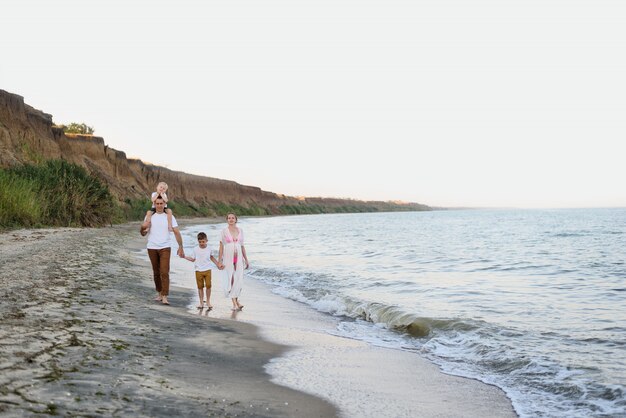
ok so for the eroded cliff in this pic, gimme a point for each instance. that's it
(28, 135)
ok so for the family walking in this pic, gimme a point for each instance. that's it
(232, 258)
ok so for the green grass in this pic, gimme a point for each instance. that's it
(221, 209)
(19, 201)
(55, 193)
(308, 209)
(134, 209)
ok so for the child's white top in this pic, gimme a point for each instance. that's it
(203, 258)
(154, 195)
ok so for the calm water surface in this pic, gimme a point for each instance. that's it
(533, 301)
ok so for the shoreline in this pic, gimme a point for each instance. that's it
(81, 336)
(361, 379)
(93, 342)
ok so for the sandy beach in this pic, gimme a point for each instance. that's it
(81, 336)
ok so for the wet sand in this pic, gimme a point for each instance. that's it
(361, 379)
(80, 335)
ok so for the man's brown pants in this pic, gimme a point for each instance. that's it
(160, 260)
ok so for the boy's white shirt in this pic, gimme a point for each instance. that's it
(203, 258)
(159, 235)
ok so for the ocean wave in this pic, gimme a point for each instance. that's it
(390, 316)
(570, 234)
(397, 319)
(465, 347)
(570, 391)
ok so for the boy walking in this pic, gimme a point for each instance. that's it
(202, 258)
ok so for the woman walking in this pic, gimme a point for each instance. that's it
(233, 257)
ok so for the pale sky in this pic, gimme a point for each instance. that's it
(446, 103)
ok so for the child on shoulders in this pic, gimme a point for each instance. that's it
(160, 191)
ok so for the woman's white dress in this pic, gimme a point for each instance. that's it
(233, 263)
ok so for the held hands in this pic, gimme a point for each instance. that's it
(221, 265)
(181, 252)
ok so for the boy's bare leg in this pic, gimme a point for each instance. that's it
(169, 219)
(200, 301)
(208, 298)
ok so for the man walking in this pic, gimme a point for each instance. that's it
(159, 249)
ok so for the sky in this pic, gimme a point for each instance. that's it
(448, 103)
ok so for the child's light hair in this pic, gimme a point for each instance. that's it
(163, 184)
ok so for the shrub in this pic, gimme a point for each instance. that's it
(78, 128)
(135, 209)
(67, 194)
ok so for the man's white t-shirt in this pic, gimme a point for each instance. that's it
(203, 258)
(159, 236)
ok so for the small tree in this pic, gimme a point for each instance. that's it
(78, 128)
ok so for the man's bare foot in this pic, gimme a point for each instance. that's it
(158, 298)
(164, 300)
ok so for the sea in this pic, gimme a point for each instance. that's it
(531, 301)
